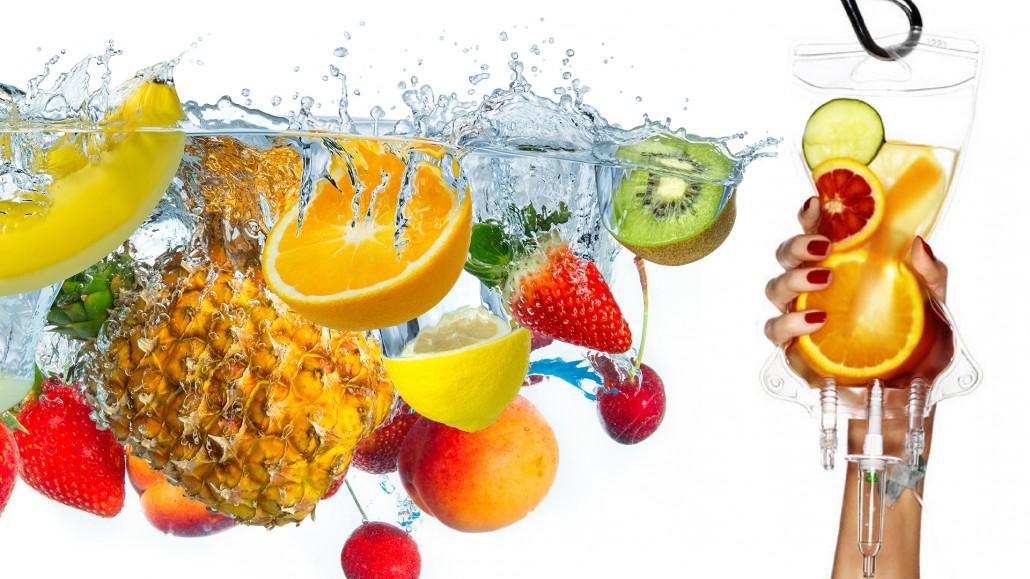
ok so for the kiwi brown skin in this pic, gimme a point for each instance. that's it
(693, 248)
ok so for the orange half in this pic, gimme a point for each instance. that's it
(851, 200)
(874, 319)
(352, 266)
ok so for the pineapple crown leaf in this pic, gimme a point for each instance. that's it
(85, 300)
(492, 249)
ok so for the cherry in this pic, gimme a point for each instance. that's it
(378, 550)
(631, 411)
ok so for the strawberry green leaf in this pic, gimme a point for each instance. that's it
(12, 422)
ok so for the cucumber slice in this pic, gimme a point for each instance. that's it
(842, 128)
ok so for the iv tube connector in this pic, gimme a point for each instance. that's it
(915, 436)
(872, 472)
(828, 406)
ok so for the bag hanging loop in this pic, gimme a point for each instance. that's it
(896, 51)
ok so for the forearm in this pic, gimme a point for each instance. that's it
(899, 555)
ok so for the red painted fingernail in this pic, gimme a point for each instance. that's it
(818, 276)
(818, 247)
(926, 247)
(815, 317)
(807, 203)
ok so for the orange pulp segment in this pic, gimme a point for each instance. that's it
(351, 266)
(869, 334)
(851, 200)
(916, 187)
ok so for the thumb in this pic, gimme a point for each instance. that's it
(933, 272)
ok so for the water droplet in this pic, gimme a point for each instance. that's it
(639, 99)
(570, 52)
(276, 101)
(402, 85)
(296, 69)
(504, 37)
(245, 92)
(341, 52)
(566, 75)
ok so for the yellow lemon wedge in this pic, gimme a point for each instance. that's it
(96, 200)
(463, 371)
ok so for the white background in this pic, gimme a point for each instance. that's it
(731, 485)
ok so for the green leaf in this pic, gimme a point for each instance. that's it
(490, 244)
(39, 377)
(12, 422)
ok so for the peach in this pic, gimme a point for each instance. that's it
(141, 476)
(484, 480)
(166, 507)
(170, 511)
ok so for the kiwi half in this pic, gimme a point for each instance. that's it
(676, 213)
(698, 160)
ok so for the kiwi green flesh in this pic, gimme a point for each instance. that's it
(692, 249)
(702, 161)
(655, 209)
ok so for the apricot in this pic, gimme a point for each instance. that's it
(484, 480)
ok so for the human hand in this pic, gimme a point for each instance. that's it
(796, 256)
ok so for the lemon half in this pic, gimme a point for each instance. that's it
(463, 371)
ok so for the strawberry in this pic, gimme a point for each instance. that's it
(65, 456)
(377, 454)
(9, 464)
(548, 288)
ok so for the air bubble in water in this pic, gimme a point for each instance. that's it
(341, 52)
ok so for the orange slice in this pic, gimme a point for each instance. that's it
(874, 319)
(851, 199)
(349, 267)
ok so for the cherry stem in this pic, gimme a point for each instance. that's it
(364, 517)
(639, 262)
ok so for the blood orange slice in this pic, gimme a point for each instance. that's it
(852, 202)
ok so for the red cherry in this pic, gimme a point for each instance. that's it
(633, 412)
(377, 550)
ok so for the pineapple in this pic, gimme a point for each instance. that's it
(243, 403)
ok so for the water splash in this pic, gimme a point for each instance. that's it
(578, 373)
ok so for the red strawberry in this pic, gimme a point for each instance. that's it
(9, 464)
(377, 454)
(548, 289)
(65, 456)
(565, 297)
